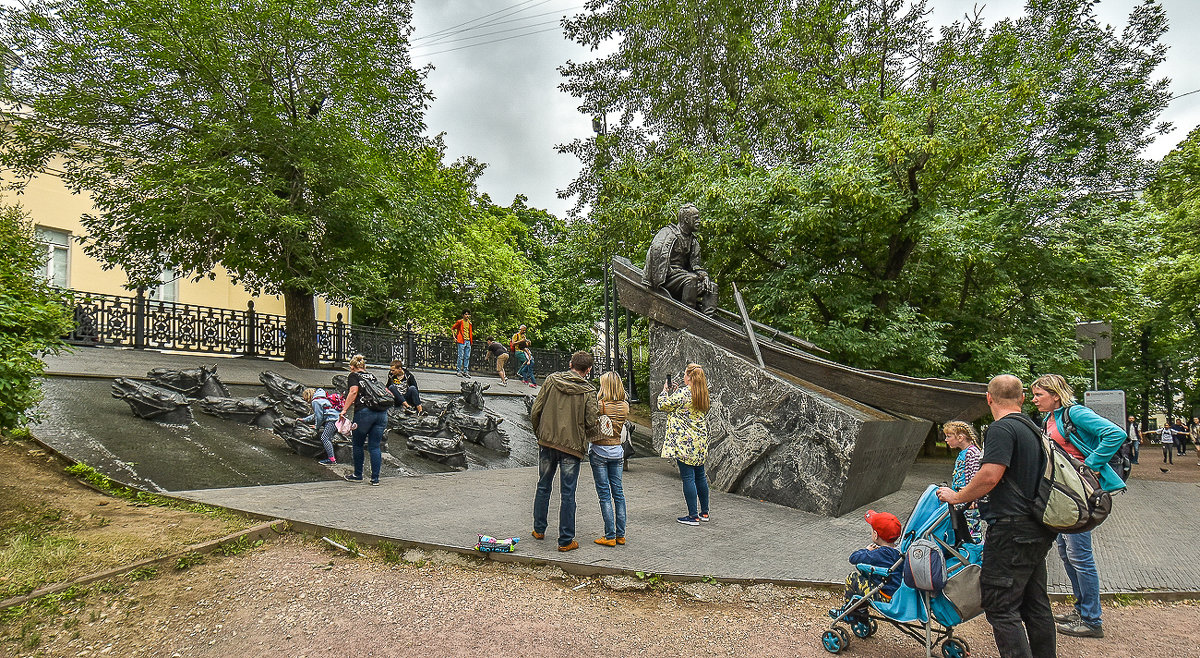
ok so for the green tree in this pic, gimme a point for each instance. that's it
(1173, 278)
(938, 204)
(33, 318)
(277, 138)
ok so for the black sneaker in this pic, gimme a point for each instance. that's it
(351, 478)
(688, 520)
(1080, 629)
(374, 483)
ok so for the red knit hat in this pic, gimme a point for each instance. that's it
(887, 526)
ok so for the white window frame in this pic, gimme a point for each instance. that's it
(53, 249)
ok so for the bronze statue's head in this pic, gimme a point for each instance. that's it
(689, 218)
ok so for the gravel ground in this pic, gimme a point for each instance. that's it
(297, 598)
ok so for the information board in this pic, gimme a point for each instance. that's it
(1109, 404)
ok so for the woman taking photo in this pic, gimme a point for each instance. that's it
(1093, 441)
(961, 437)
(607, 458)
(686, 439)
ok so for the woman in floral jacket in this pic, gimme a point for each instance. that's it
(686, 439)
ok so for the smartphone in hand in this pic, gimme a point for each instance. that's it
(669, 384)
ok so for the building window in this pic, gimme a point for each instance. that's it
(168, 288)
(58, 255)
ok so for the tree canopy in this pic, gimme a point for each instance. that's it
(940, 203)
(279, 139)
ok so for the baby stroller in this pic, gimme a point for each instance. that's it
(928, 616)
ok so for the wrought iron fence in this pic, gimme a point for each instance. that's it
(143, 323)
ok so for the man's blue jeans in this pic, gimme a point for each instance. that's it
(464, 356)
(550, 460)
(526, 373)
(1076, 553)
(607, 473)
(371, 425)
(695, 486)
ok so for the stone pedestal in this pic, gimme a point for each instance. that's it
(778, 438)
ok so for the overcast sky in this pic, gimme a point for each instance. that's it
(500, 101)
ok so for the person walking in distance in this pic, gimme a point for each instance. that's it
(1013, 579)
(686, 439)
(565, 418)
(1135, 438)
(463, 335)
(1093, 440)
(1167, 436)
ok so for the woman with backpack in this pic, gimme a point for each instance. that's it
(324, 418)
(1093, 440)
(371, 422)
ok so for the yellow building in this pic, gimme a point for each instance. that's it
(56, 214)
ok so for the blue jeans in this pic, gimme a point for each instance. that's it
(607, 473)
(525, 372)
(1076, 553)
(412, 396)
(549, 460)
(371, 425)
(464, 356)
(695, 485)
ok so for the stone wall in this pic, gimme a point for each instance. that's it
(778, 438)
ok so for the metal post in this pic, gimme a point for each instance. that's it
(607, 324)
(251, 330)
(616, 334)
(629, 357)
(139, 319)
(1095, 370)
(339, 340)
(410, 343)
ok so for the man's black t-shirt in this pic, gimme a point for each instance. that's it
(1014, 445)
(497, 349)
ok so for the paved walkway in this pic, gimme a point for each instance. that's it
(747, 539)
(1147, 544)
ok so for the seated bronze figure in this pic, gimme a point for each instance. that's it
(673, 263)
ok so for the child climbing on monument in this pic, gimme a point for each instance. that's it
(323, 418)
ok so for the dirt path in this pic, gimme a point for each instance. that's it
(299, 599)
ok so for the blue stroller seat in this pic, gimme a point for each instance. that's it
(915, 612)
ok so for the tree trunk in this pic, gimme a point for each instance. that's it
(300, 347)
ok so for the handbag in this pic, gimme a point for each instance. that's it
(344, 425)
(606, 425)
(627, 439)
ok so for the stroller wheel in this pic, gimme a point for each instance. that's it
(832, 641)
(864, 627)
(954, 647)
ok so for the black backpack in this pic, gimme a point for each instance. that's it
(373, 393)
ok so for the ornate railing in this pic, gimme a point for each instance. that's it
(143, 323)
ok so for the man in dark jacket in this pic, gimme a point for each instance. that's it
(565, 417)
(1012, 583)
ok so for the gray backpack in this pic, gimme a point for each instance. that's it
(1069, 498)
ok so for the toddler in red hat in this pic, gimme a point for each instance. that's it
(885, 530)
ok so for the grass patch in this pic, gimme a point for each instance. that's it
(237, 546)
(29, 560)
(390, 552)
(188, 560)
(102, 482)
